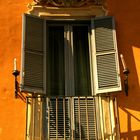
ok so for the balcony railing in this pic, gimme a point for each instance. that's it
(56, 118)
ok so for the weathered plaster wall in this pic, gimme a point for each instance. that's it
(12, 111)
(127, 15)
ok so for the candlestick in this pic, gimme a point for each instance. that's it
(123, 62)
(15, 73)
(15, 64)
(125, 72)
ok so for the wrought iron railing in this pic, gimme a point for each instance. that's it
(56, 118)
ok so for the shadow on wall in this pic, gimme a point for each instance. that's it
(130, 134)
(127, 18)
(130, 49)
(132, 102)
(130, 105)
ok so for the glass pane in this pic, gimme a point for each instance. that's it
(55, 61)
(81, 61)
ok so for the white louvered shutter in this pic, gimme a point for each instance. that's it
(105, 56)
(32, 68)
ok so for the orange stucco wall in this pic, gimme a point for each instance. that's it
(127, 15)
(13, 111)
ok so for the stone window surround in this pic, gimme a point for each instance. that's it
(52, 12)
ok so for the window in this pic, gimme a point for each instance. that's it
(69, 58)
(67, 62)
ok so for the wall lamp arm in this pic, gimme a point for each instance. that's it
(17, 92)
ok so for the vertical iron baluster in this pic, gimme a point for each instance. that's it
(72, 120)
(64, 118)
(101, 116)
(33, 113)
(87, 118)
(48, 106)
(56, 118)
(79, 118)
(112, 118)
(39, 116)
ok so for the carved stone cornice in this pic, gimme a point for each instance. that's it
(67, 8)
(67, 3)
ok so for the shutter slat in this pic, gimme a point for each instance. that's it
(91, 123)
(33, 33)
(60, 110)
(106, 67)
(32, 54)
(103, 39)
(107, 73)
(33, 72)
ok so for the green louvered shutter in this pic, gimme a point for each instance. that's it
(32, 68)
(106, 64)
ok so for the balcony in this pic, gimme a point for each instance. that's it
(61, 118)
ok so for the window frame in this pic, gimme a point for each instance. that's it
(93, 64)
(68, 31)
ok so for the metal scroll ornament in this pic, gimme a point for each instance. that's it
(66, 3)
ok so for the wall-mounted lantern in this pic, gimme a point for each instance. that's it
(125, 72)
(16, 74)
